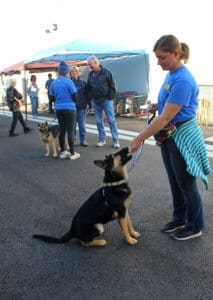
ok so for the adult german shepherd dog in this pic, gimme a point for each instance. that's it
(49, 134)
(110, 202)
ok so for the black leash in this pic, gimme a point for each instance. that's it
(139, 152)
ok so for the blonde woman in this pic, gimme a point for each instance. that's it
(181, 142)
(81, 104)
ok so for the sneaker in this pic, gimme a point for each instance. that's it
(75, 156)
(84, 144)
(101, 144)
(185, 234)
(116, 145)
(65, 154)
(172, 226)
(13, 134)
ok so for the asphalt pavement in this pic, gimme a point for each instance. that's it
(41, 195)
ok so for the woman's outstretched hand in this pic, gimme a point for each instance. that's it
(134, 145)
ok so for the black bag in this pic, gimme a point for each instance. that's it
(166, 133)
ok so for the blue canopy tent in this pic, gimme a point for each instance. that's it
(80, 49)
(130, 68)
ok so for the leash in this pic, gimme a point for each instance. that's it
(139, 152)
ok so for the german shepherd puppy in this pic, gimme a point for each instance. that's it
(48, 136)
(110, 202)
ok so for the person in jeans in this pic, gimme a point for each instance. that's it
(101, 90)
(14, 101)
(184, 153)
(47, 86)
(65, 94)
(33, 94)
(81, 104)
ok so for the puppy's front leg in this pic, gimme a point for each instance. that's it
(47, 149)
(124, 227)
(132, 231)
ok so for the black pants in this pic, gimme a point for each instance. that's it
(51, 104)
(17, 115)
(67, 120)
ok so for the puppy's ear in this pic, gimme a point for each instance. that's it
(46, 123)
(38, 124)
(100, 163)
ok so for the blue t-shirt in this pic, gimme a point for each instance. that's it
(179, 88)
(62, 89)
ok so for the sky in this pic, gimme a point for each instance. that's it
(133, 24)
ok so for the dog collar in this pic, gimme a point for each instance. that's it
(115, 183)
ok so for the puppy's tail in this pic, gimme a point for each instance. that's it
(49, 239)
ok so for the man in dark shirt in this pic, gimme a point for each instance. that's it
(101, 90)
(50, 98)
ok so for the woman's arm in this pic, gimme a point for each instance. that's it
(169, 112)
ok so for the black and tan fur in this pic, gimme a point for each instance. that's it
(49, 134)
(110, 202)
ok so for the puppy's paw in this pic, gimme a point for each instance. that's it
(47, 154)
(135, 234)
(132, 241)
(102, 243)
(55, 155)
(98, 243)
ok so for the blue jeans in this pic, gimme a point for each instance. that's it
(81, 120)
(187, 201)
(107, 107)
(34, 104)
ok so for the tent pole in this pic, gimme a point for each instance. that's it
(25, 92)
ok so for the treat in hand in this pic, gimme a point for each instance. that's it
(152, 108)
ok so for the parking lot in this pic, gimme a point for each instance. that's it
(41, 195)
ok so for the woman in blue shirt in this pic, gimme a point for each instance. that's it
(177, 104)
(65, 94)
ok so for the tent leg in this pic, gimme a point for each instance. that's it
(25, 93)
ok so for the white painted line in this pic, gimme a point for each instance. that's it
(91, 128)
